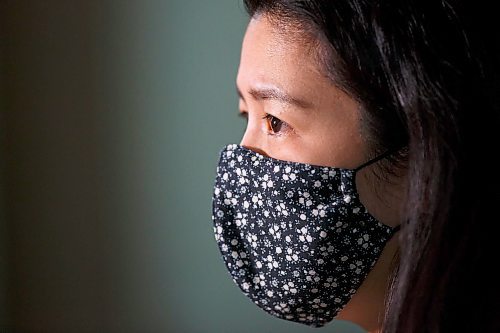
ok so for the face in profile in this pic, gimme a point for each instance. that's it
(295, 113)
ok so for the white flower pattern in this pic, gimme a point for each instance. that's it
(294, 237)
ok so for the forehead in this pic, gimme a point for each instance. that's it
(278, 54)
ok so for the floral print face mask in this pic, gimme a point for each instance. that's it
(295, 237)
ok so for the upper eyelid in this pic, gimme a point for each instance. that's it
(288, 128)
(242, 99)
(267, 116)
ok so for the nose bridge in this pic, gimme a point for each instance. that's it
(253, 138)
(249, 137)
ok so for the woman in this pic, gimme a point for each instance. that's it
(357, 191)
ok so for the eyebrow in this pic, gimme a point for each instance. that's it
(275, 93)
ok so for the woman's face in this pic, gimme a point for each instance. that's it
(296, 113)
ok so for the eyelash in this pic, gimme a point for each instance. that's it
(284, 127)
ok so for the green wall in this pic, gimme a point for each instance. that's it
(113, 116)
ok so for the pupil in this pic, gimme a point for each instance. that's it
(275, 124)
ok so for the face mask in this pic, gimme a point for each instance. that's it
(295, 237)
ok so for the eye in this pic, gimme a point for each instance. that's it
(274, 124)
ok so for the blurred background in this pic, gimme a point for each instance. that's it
(112, 114)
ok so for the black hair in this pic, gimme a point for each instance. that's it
(426, 75)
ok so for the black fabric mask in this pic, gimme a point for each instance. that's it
(295, 237)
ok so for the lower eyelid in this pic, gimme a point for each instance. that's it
(286, 130)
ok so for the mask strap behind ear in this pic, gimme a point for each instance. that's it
(374, 160)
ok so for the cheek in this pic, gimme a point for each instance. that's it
(339, 149)
(333, 142)
(320, 141)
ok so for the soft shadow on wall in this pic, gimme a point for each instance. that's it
(113, 114)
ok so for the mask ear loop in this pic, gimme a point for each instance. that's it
(374, 160)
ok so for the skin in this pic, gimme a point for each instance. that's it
(296, 113)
